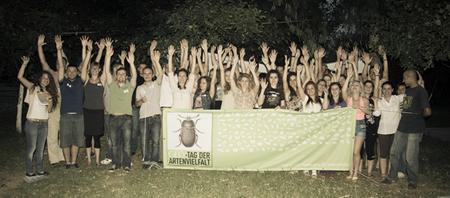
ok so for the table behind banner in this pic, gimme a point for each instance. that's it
(253, 140)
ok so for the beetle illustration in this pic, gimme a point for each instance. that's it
(188, 131)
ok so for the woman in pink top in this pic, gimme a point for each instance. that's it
(355, 100)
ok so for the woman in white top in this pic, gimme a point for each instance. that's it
(389, 109)
(183, 89)
(41, 98)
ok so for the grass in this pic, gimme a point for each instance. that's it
(98, 182)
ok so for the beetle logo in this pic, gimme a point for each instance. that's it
(188, 131)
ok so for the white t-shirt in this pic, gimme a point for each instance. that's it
(152, 92)
(390, 114)
(166, 97)
(311, 107)
(37, 108)
(182, 98)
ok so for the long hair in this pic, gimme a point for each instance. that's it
(250, 80)
(291, 89)
(227, 86)
(187, 75)
(330, 97)
(50, 88)
(315, 98)
(208, 85)
(373, 87)
(278, 85)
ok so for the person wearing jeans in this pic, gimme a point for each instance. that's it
(120, 91)
(42, 98)
(410, 130)
(148, 99)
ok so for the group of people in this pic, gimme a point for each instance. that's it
(81, 103)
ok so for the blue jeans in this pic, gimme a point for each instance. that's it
(407, 145)
(120, 127)
(150, 130)
(36, 134)
(108, 153)
(135, 130)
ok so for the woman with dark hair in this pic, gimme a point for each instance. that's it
(335, 98)
(321, 88)
(272, 95)
(388, 107)
(204, 93)
(290, 89)
(42, 98)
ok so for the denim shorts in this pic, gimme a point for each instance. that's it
(360, 128)
(71, 130)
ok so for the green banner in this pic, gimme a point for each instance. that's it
(254, 140)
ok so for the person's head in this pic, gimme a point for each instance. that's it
(280, 69)
(203, 84)
(274, 78)
(46, 81)
(141, 68)
(387, 89)
(311, 89)
(227, 75)
(368, 88)
(356, 87)
(262, 76)
(121, 75)
(182, 78)
(71, 72)
(410, 77)
(115, 67)
(335, 89)
(94, 70)
(321, 85)
(401, 88)
(147, 74)
(292, 79)
(245, 83)
(327, 79)
(342, 80)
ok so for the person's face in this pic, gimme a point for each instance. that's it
(280, 70)
(45, 80)
(147, 74)
(310, 90)
(244, 83)
(227, 76)
(341, 81)
(273, 79)
(322, 86)
(327, 80)
(182, 78)
(401, 90)
(72, 72)
(408, 78)
(141, 69)
(335, 91)
(387, 90)
(368, 88)
(115, 68)
(121, 76)
(95, 70)
(356, 87)
(293, 81)
(203, 84)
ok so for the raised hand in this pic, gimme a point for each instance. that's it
(273, 56)
(366, 58)
(108, 42)
(41, 40)
(170, 50)
(376, 70)
(355, 52)
(305, 58)
(234, 49)
(122, 56)
(156, 56)
(219, 50)
(351, 58)
(293, 48)
(349, 72)
(89, 45)
(263, 83)
(204, 45)
(381, 50)
(153, 45)
(242, 53)
(59, 42)
(132, 48)
(84, 40)
(344, 55)
(25, 60)
(101, 44)
(109, 49)
(194, 52)
(321, 52)
(130, 57)
(213, 49)
(264, 47)
(286, 61)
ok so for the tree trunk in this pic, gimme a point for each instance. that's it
(19, 110)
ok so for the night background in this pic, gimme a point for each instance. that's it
(415, 33)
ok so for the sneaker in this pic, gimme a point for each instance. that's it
(30, 174)
(112, 169)
(386, 181)
(68, 166)
(412, 186)
(43, 173)
(401, 175)
(314, 173)
(106, 161)
(75, 165)
(127, 169)
(306, 172)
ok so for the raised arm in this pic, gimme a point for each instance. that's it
(59, 52)
(86, 60)
(108, 54)
(170, 52)
(130, 60)
(212, 89)
(84, 40)
(273, 58)
(320, 54)
(262, 96)
(20, 75)
(305, 61)
(253, 67)
(265, 55)
(158, 68)
(101, 47)
(300, 91)
(184, 60)
(242, 62)
(40, 45)
(382, 51)
(346, 84)
(285, 76)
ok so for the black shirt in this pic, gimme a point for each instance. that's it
(273, 98)
(415, 101)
